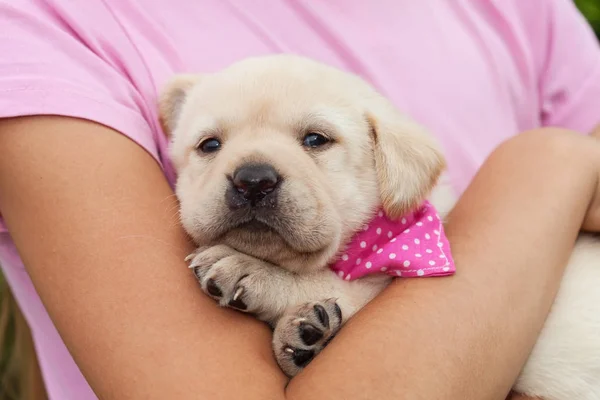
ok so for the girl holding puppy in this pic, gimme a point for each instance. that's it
(90, 240)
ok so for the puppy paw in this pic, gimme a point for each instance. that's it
(301, 334)
(239, 281)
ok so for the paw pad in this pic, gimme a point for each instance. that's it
(301, 357)
(304, 332)
(213, 289)
(310, 334)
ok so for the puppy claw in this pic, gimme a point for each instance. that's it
(298, 321)
(189, 257)
(300, 357)
(238, 293)
(238, 305)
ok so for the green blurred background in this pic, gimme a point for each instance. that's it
(591, 10)
(11, 370)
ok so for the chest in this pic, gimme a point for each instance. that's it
(447, 64)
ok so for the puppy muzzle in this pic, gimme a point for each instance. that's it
(253, 186)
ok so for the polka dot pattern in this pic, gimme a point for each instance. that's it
(413, 246)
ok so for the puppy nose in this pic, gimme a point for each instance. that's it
(255, 181)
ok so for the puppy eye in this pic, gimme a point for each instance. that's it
(209, 145)
(313, 140)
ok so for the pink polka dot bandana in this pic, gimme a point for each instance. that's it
(413, 246)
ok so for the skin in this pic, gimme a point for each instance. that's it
(97, 228)
(474, 351)
(95, 223)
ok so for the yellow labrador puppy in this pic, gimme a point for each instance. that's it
(280, 161)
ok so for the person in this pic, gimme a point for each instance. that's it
(91, 244)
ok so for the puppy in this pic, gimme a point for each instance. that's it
(281, 161)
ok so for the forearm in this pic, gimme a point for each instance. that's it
(467, 337)
(106, 257)
(96, 226)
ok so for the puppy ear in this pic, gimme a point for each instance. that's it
(172, 99)
(407, 160)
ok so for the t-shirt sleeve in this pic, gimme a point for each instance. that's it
(51, 65)
(568, 63)
(55, 62)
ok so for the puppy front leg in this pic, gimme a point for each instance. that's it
(305, 330)
(244, 283)
(303, 324)
(254, 286)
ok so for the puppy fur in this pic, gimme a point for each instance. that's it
(272, 261)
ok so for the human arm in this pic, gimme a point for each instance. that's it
(54, 62)
(567, 90)
(169, 338)
(96, 225)
(469, 335)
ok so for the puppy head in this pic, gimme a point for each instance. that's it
(285, 159)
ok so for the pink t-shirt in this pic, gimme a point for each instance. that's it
(474, 72)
